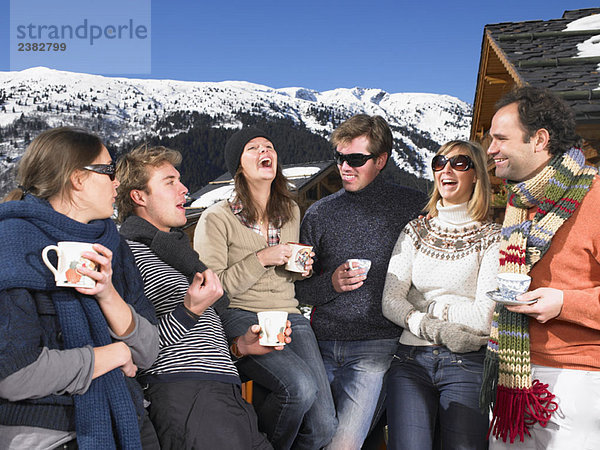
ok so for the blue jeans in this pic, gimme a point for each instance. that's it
(356, 372)
(298, 412)
(426, 384)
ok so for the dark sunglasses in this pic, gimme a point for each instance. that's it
(462, 163)
(353, 159)
(104, 169)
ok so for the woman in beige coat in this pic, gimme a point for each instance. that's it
(243, 240)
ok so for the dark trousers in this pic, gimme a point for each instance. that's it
(199, 414)
(148, 435)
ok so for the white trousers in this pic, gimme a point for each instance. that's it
(576, 422)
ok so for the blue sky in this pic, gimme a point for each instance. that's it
(398, 46)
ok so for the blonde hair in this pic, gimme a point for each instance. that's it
(479, 203)
(132, 173)
(47, 164)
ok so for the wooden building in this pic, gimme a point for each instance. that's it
(543, 53)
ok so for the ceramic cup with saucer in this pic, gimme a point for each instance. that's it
(512, 284)
(497, 297)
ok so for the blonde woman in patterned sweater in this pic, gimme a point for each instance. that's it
(438, 276)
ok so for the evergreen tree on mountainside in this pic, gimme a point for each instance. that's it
(201, 139)
(202, 145)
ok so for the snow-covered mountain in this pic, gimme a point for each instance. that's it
(121, 110)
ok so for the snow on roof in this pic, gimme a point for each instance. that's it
(221, 193)
(212, 197)
(300, 172)
(585, 23)
(590, 47)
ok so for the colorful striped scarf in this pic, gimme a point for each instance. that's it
(556, 192)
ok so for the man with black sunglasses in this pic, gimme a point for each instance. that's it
(362, 220)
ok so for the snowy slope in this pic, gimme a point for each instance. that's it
(130, 108)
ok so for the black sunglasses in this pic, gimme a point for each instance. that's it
(104, 169)
(353, 159)
(462, 163)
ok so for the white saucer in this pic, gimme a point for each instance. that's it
(495, 295)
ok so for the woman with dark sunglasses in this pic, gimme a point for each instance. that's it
(68, 355)
(438, 276)
(244, 241)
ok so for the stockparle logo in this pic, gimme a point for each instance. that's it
(108, 37)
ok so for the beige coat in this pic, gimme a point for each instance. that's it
(229, 248)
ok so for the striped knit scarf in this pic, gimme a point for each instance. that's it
(556, 192)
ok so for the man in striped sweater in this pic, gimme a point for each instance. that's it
(193, 387)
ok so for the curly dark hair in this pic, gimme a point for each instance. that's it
(541, 108)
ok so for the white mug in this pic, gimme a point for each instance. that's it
(360, 264)
(299, 258)
(69, 262)
(272, 328)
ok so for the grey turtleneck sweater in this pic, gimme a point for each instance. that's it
(363, 224)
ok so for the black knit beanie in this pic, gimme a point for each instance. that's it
(235, 146)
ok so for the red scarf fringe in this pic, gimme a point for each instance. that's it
(517, 410)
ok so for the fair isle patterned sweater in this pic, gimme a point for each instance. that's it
(443, 266)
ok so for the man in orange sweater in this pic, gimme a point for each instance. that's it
(551, 232)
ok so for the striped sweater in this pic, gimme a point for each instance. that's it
(189, 348)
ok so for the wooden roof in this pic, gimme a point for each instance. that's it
(539, 53)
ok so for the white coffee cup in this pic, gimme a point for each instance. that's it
(299, 258)
(512, 284)
(360, 264)
(69, 262)
(272, 328)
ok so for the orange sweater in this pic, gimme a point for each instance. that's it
(572, 264)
